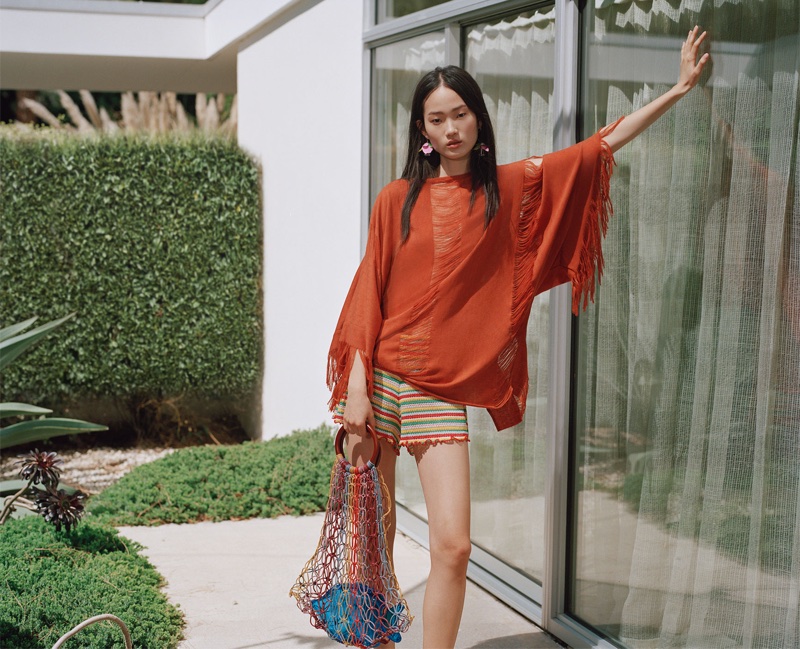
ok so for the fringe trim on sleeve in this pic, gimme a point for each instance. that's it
(525, 254)
(340, 363)
(600, 210)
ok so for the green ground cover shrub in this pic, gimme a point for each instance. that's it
(285, 475)
(53, 581)
(155, 244)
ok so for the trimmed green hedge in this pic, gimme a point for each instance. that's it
(155, 244)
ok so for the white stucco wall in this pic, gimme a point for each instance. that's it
(300, 98)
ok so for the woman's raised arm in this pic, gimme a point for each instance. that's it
(690, 71)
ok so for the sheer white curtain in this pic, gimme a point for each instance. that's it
(512, 61)
(690, 375)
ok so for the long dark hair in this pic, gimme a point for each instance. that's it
(420, 167)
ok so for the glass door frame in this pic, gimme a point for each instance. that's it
(563, 338)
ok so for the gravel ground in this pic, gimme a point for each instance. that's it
(91, 470)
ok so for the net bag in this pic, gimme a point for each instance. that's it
(348, 587)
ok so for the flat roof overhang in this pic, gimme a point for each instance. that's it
(36, 71)
(108, 45)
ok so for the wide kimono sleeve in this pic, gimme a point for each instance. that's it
(564, 216)
(362, 316)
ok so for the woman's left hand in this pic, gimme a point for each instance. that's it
(691, 67)
(638, 121)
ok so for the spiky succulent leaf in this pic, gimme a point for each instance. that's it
(12, 330)
(13, 409)
(12, 347)
(35, 430)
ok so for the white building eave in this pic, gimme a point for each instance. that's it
(113, 45)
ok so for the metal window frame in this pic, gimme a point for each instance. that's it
(455, 11)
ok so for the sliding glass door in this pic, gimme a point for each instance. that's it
(686, 528)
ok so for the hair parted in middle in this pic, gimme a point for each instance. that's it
(482, 164)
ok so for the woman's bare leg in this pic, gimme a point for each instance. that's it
(444, 474)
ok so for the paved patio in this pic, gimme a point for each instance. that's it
(232, 582)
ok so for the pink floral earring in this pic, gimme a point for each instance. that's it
(426, 148)
(481, 147)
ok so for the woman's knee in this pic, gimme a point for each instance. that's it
(452, 552)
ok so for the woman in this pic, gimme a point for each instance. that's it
(435, 318)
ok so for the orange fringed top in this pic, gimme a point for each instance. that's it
(447, 310)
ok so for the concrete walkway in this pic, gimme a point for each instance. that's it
(232, 582)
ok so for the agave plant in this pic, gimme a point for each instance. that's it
(13, 343)
(59, 506)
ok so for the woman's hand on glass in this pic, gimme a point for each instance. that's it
(639, 120)
(691, 66)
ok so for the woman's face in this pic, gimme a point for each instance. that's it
(451, 127)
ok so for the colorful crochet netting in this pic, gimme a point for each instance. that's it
(348, 587)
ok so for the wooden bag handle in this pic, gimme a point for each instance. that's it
(376, 453)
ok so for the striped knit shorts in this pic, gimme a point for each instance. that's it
(407, 417)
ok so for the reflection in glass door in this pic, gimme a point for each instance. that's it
(686, 500)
